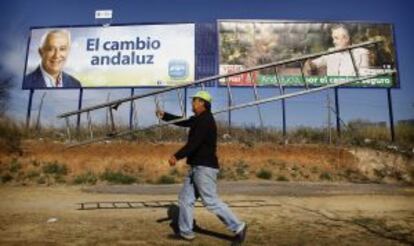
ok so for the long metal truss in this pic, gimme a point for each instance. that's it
(113, 105)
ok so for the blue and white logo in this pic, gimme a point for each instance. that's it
(178, 69)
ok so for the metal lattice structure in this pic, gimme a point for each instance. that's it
(113, 105)
(165, 204)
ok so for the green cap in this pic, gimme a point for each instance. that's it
(203, 95)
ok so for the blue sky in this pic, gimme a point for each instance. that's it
(371, 104)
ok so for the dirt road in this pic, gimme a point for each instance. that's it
(278, 213)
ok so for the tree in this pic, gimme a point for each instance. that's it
(5, 86)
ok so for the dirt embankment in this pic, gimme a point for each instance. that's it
(46, 162)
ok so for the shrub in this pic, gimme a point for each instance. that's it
(325, 176)
(41, 180)
(60, 179)
(117, 177)
(264, 174)
(6, 178)
(32, 174)
(242, 169)
(282, 178)
(226, 173)
(55, 168)
(15, 165)
(314, 169)
(10, 136)
(175, 172)
(166, 179)
(86, 178)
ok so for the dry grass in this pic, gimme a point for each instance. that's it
(147, 162)
(243, 153)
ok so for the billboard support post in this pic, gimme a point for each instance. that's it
(79, 108)
(229, 112)
(29, 108)
(284, 116)
(391, 114)
(131, 110)
(185, 102)
(229, 104)
(338, 117)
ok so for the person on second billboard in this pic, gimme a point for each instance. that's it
(54, 49)
(340, 64)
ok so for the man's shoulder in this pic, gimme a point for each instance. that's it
(34, 79)
(207, 117)
(70, 81)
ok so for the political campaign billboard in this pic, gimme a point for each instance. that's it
(111, 56)
(248, 43)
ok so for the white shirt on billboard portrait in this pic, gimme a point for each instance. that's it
(340, 64)
(50, 81)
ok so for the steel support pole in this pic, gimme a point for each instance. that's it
(79, 108)
(131, 111)
(391, 114)
(284, 116)
(29, 108)
(338, 117)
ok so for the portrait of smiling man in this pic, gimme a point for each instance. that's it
(340, 64)
(54, 49)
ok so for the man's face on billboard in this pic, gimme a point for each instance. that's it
(54, 52)
(340, 38)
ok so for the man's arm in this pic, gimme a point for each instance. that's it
(170, 117)
(193, 143)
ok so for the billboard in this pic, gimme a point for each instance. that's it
(248, 43)
(114, 56)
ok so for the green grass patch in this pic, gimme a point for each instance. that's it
(55, 168)
(282, 178)
(326, 176)
(264, 174)
(86, 178)
(166, 179)
(6, 178)
(32, 174)
(15, 165)
(117, 177)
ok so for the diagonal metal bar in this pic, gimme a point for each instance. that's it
(111, 117)
(303, 74)
(90, 128)
(181, 102)
(353, 63)
(68, 129)
(256, 98)
(278, 82)
(217, 77)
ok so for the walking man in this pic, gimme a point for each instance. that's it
(201, 181)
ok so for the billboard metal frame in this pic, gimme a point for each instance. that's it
(283, 103)
(397, 84)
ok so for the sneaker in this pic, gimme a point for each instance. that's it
(241, 235)
(188, 237)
